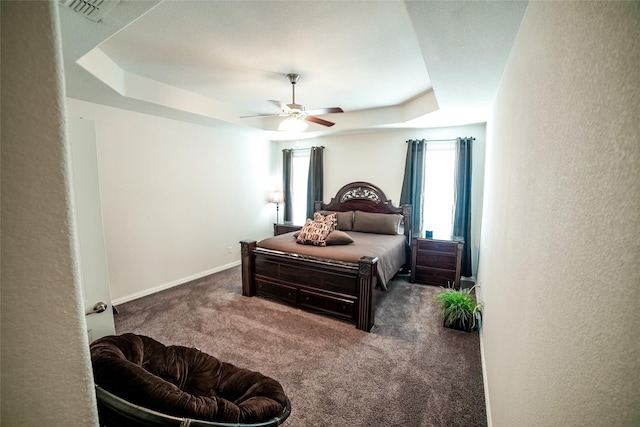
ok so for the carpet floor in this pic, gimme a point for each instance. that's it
(409, 371)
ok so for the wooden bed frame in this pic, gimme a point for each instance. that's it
(343, 289)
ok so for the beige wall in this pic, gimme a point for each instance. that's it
(176, 197)
(46, 377)
(560, 251)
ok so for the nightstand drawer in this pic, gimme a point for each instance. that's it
(437, 246)
(285, 228)
(443, 261)
(435, 276)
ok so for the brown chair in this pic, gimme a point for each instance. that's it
(141, 382)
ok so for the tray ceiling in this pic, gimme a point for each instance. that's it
(387, 64)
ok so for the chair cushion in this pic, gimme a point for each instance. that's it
(183, 381)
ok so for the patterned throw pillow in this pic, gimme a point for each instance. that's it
(316, 231)
(332, 218)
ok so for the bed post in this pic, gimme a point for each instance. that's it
(367, 276)
(246, 258)
(407, 213)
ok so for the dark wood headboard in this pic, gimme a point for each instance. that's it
(366, 197)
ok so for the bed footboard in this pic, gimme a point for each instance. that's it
(336, 288)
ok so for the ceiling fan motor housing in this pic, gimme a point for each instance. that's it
(293, 78)
(296, 108)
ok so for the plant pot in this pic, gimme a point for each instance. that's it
(457, 325)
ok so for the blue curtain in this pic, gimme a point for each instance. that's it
(413, 182)
(287, 167)
(462, 201)
(315, 180)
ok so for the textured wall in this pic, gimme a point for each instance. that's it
(46, 376)
(560, 251)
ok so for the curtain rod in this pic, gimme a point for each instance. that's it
(300, 149)
(444, 140)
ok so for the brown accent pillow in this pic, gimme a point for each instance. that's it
(345, 219)
(337, 237)
(379, 223)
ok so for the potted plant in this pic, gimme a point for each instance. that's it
(459, 308)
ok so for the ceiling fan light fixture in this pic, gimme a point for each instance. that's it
(293, 124)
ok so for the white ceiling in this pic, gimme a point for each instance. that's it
(386, 63)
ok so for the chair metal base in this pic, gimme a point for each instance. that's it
(117, 412)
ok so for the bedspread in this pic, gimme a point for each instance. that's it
(389, 249)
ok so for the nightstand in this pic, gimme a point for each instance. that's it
(436, 262)
(285, 228)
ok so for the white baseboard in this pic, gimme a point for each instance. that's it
(484, 380)
(173, 283)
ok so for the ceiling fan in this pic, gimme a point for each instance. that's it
(297, 112)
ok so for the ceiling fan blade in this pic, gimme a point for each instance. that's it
(284, 108)
(319, 121)
(320, 111)
(281, 105)
(261, 115)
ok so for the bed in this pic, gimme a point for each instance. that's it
(343, 280)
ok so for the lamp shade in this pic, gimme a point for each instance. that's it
(275, 197)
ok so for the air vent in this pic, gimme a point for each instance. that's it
(94, 10)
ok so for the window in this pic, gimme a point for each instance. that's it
(439, 189)
(300, 173)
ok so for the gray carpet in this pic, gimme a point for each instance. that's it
(409, 371)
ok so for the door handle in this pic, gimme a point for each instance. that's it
(98, 308)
